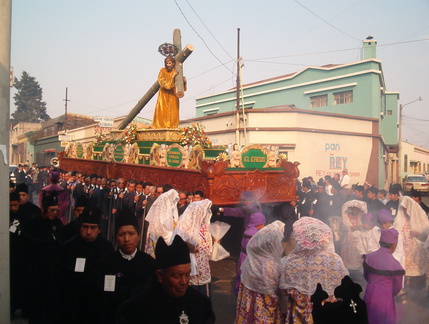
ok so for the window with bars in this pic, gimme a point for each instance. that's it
(319, 101)
(343, 97)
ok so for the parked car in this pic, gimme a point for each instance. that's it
(12, 169)
(416, 181)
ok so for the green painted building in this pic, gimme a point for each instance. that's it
(355, 90)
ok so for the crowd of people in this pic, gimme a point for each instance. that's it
(87, 249)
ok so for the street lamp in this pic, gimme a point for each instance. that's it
(401, 106)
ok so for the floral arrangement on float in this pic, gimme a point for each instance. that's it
(194, 134)
(101, 137)
(129, 135)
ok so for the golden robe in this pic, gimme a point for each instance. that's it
(167, 106)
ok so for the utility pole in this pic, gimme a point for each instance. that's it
(5, 35)
(237, 101)
(400, 158)
(65, 113)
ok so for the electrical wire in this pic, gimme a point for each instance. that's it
(325, 21)
(180, 9)
(209, 30)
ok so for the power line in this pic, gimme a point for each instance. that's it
(201, 37)
(335, 51)
(209, 30)
(327, 22)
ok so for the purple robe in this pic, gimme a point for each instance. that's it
(384, 275)
(255, 220)
(243, 211)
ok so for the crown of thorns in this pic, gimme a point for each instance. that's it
(168, 49)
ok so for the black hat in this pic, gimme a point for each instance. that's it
(395, 188)
(81, 201)
(306, 183)
(50, 200)
(22, 187)
(415, 193)
(373, 189)
(13, 196)
(126, 217)
(170, 256)
(91, 215)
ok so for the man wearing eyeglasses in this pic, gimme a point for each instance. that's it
(41, 244)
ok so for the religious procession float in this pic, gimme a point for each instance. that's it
(183, 157)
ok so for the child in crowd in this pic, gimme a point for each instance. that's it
(368, 236)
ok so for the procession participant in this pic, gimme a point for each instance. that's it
(162, 218)
(241, 218)
(384, 275)
(358, 190)
(171, 300)
(70, 230)
(41, 244)
(77, 271)
(335, 219)
(18, 295)
(183, 202)
(374, 205)
(126, 271)
(63, 199)
(352, 212)
(412, 222)
(257, 221)
(382, 194)
(393, 204)
(306, 199)
(416, 195)
(198, 195)
(118, 195)
(385, 220)
(129, 199)
(368, 237)
(312, 262)
(345, 179)
(322, 203)
(193, 228)
(346, 307)
(159, 190)
(258, 300)
(28, 209)
(328, 185)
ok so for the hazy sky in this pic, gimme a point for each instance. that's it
(105, 51)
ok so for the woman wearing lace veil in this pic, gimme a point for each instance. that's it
(312, 261)
(352, 212)
(258, 300)
(412, 222)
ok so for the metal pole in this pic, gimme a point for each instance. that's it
(237, 101)
(65, 113)
(400, 159)
(399, 172)
(5, 35)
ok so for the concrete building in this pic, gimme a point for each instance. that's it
(20, 148)
(47, 144)
(328, 118)
(415, 159)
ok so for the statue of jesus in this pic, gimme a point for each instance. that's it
(167, 106)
